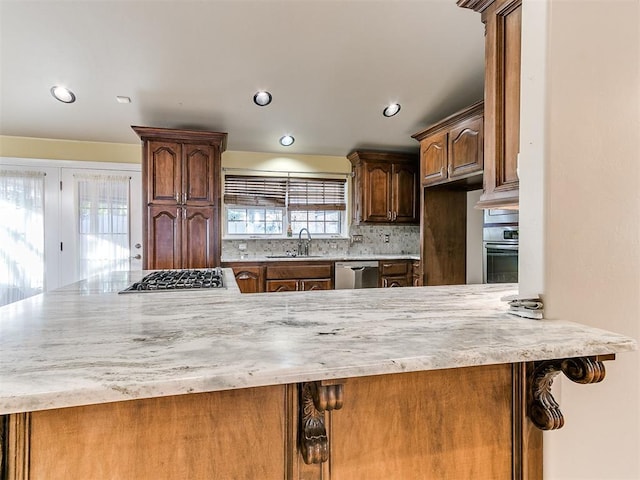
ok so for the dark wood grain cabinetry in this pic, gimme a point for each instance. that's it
(451, 163)
(396, 273)
(503, 20)
(181, 182)
(307, 276)
(385, 187)
(249, 277)
(453, 148)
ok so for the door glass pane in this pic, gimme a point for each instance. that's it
(21, 235)
(102, 223)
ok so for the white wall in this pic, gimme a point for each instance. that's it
(584, 165)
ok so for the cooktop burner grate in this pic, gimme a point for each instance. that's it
(178, 280)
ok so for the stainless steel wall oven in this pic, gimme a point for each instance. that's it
(500, 242)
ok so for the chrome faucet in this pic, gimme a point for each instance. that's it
(304, 245)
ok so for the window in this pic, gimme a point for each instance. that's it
(267, 206)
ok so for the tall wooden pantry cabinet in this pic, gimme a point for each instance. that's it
(181, 192)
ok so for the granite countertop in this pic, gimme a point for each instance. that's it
(86, 344)
(328, 258)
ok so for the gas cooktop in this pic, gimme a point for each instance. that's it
(189, 279)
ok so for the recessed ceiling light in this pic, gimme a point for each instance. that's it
(63, 94)
(391, 110)
(287, 140)
(262, 98)
(121, 99)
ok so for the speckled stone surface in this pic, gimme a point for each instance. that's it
(86, 344)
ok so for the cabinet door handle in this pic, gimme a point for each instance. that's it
(395, 216)
(389, 215)
(184, 213)
(178, 198)
(442, 171)
(301, 285)
(449, 169)
(184, 198)
(243, 276)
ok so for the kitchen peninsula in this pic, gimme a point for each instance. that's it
(427, 382)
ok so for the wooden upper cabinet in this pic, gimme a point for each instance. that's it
(377, 182)
(433, 158)
(503, 21)
(453, 149)
(200, 175)
(405, 185)
(385, 187)
(466, 147)
(181, 180)
(164, 172)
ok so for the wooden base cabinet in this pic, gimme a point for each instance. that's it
(298, 277)
(181, 237)
(181, 183)
(465, 423)
(395, 273)
(249, 277)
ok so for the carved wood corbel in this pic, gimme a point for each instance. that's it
(315, 399)
(543, 410)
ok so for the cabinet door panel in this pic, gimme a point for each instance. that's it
(466, 147)
(433, 158)
(405, 193)
(282, 285)
(197, 237)
(323, 284)
(441, 424)
(507, 175)
(164, 248)
(377, 188)
(250, 279)
(164, 175)
(199, 178)
(502, 103)
(180, 437)
(389, 282)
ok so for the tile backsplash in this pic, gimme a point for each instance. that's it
(402, 239)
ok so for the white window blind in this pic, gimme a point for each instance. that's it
(316, 194)
(298, 193)
(255, 191)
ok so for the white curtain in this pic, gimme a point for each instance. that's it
(21, 235)
(103, 223)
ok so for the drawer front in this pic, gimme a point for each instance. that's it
(282, 286)
(394, 268)
(276, 272)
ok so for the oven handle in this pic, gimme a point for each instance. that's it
(501, 246)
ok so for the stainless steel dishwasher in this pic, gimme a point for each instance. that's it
(356, 274)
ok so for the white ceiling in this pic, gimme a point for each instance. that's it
(332, 66)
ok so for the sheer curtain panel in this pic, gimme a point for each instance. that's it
(102, 223)
(21, 234)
